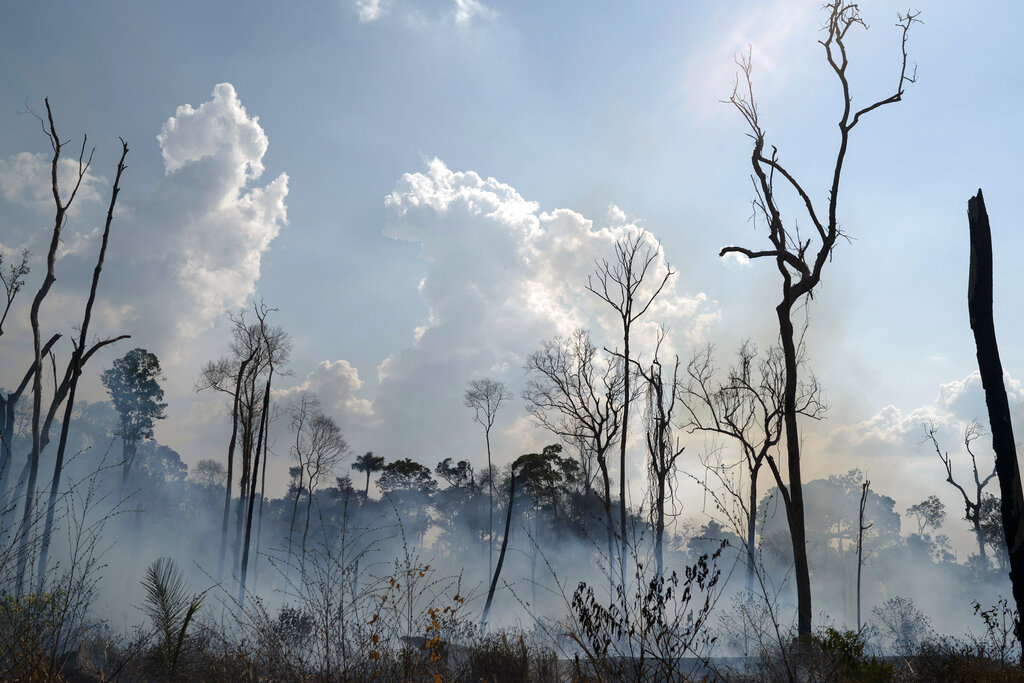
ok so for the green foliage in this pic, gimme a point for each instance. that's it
(844, 652)
(406, 476)
(136, 394)
(171, 608)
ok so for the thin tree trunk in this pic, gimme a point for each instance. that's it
(751, 529)
(624, 543)
(10, 403)
(659, 527)
(76, 371)
(231, 463)
(501, 555)
(490, 517)
(860, 546)
(979, 301)
(252, 499)
(263, 492)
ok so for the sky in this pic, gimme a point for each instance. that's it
(420, 188)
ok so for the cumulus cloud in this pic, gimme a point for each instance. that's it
(335, 383)
(502, 276)
(179, 256)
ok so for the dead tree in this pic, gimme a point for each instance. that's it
(663, 449)
(861, 528)
(972, 504)
(979, 303)
(746, 406)
(800, 266)
(578, 396)
(485, 397)
(76, 371)
(40, 430)
(618, 283)
(256, 349)
(504, 547)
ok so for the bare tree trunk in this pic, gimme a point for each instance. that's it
(979, 301)
(795, 502)
(9, 404)
(252, 499)
(659, 528)
(231, 463)
(490, 503)
(76, 371)
(37, 379)
(501, 555)
(751, 529)
(861, 528)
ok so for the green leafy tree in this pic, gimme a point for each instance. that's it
(134, 387)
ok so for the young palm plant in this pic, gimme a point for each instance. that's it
(171, 607)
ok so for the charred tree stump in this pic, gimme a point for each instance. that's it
(979, 304)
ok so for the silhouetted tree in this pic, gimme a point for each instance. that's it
(979, 305)
(618, 283)
(577, 395)
(930, 513)
(368, 463)
(133, 384)
(485, 397)
(972, 502)
(40, 431)
(798, 265)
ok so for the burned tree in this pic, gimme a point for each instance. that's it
(746, 406)
(800, 266)
(80, 354)
(256, 350)
(577, 395)
(973, 502)
(979, 303)
(485, 397)
(663, 449)
(619, 283)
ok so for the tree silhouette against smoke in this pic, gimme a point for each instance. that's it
(577, 395)
(972, 503)
(618, 283)
(133, 384)
(979, 305)
(798, 265)
(746, 406)
(80, 355)
(485, 397)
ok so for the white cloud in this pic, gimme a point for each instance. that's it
(369, 10)
(25, 179)
(502, 276)
(465, 10)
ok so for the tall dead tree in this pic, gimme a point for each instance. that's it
(618, 283)
(979, 303)
(972, 503)
(577, 395)
(485, 397)
(76, 371)
(663, 449)
(800, 266)
(40, 430)
(745, 406)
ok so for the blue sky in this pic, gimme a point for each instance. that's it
(532, 107)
